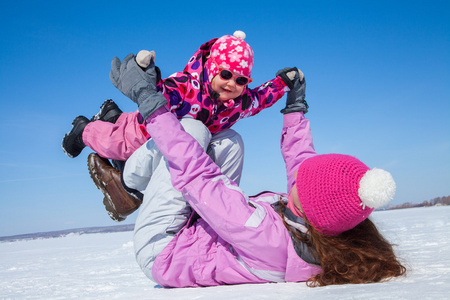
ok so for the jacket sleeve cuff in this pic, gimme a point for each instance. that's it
(292, 119)
(159, 111)
(279, 84)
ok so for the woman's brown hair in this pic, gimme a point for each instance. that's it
(358, 255)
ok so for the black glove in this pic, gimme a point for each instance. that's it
(295, 99)
(137, 84)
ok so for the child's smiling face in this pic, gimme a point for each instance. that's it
(227, 89)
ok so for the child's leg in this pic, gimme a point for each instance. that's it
(115, 140)
(164, 210)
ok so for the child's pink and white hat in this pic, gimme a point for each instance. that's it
(232, 53)
(337, 192)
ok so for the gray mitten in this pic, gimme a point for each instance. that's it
(295, 99)
(137, 84)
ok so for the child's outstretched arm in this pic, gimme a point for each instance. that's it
(288, 79)
(265, 95)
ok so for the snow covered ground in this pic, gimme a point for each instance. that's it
(102, 266)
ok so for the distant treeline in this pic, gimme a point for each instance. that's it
(433, 202)
(62, 233)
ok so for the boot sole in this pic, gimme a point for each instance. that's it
(68, 134)
(109, 206)
(64, 150)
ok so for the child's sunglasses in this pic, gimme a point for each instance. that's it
(227, 75)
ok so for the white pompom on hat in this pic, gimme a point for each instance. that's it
(376, 188)
(239, 34)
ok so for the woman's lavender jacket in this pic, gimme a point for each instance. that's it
(238, 239)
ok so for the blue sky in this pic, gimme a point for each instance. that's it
(377, 73)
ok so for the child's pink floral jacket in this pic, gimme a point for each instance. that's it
(190, 94)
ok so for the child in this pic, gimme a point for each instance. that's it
(318, 233)
(212, 88)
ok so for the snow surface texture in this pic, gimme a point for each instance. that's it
(102, 266)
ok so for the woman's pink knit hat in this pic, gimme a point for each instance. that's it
(231, 53)
(337, 192)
